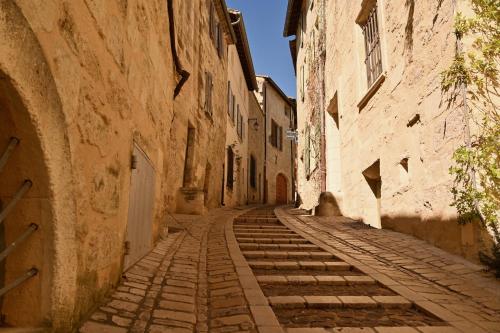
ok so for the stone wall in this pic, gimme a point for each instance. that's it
(81, 90)
(277, 161)
(256, 142)
(388, 157)
(237, 195)
(198, 55)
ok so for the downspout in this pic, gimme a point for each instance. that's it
(178, 66)
(322, 60)
(264, 86)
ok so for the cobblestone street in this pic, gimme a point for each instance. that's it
(283, 271)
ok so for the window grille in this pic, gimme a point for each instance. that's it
(373, 58)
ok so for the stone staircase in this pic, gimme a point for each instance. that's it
(311, 290)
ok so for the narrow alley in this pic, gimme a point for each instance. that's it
(249, 166)
(272, 270)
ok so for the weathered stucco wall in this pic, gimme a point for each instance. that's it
(411, 158)
(237, 195)
(89, 87)
(198, 55)
(256, 142)
(278, 161)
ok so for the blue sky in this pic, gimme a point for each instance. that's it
(264, 20)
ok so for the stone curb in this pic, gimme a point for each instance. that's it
(263, 315)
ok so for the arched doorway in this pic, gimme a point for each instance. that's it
(30, 110)
(281, 190)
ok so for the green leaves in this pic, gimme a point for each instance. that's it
(476, 168)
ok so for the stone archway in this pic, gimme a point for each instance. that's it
(281, 189)
(30, 109)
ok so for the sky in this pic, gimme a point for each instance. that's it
(264, 22)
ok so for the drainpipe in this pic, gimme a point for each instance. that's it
(178, 66)
(264, 87)
(322, 60)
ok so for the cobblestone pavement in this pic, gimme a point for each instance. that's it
(418, 270)
(187, 283)
(296, 274)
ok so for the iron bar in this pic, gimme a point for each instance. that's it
(30, 273)
(12, 203)
(31, 229)
(5, 156)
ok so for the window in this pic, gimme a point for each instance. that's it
(307, 152)
(230, 99)
(233, 108)
(230, 168)
(276, 135)
(189, 158)
(215, 30)
(253, 172)
(373, 59)
(211, 21)
(238, 120)
(208, 93)
(302, 82)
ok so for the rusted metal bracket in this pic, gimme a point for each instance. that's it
(13, 142)
(18, 196)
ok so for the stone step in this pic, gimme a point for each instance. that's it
(293, 247)
(287, 255)
(334, 280)
(260, 226)
(361, 302)
(381, 329)
(24, 330)
(302, 265)
(263, 231)
(264, 235)
(272, 240)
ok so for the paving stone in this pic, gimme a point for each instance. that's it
(320, 255)
(127, 297)
(323, 301)
(392, 301)
(92, 327)
(175, 315)
(166, 329)
(261, 264)
(337, 266)
(277, 254)
(359, 279)
(307, 330)
(438, 329)
(179, 291)
(231, 320)
(400, 329)
(312, 265)
(284, 265)
(176, 306)
(357, 301)
(272, 279)
(331, 280)
(120, 321)
(301, 279)
(287, 302)
(123, 305)
(353, 330)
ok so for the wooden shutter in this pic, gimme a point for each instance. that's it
(211, 20)
(208, 93)
(229, 98)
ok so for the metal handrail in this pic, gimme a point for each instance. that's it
(12, 203)
(5, 156)
(31, 229)
(30, 273)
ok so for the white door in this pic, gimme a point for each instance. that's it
(140, 211)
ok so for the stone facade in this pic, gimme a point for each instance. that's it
(256, 143)
(91, 100)
(382, 146)
(240, 87)
(279, 151)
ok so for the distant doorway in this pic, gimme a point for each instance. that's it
(281, 190)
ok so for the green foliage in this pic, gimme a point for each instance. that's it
(477, 164)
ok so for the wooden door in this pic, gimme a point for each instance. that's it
(140, 212)
(281, 190)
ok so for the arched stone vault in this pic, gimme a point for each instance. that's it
(27, 88)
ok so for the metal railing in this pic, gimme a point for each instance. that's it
(27, 184)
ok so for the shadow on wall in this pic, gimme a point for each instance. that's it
(464, 240)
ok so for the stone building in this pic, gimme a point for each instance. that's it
(279, 149)
(256, 145)
(197, 134)
(99, 149)
(240, 86)
(373, 128)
